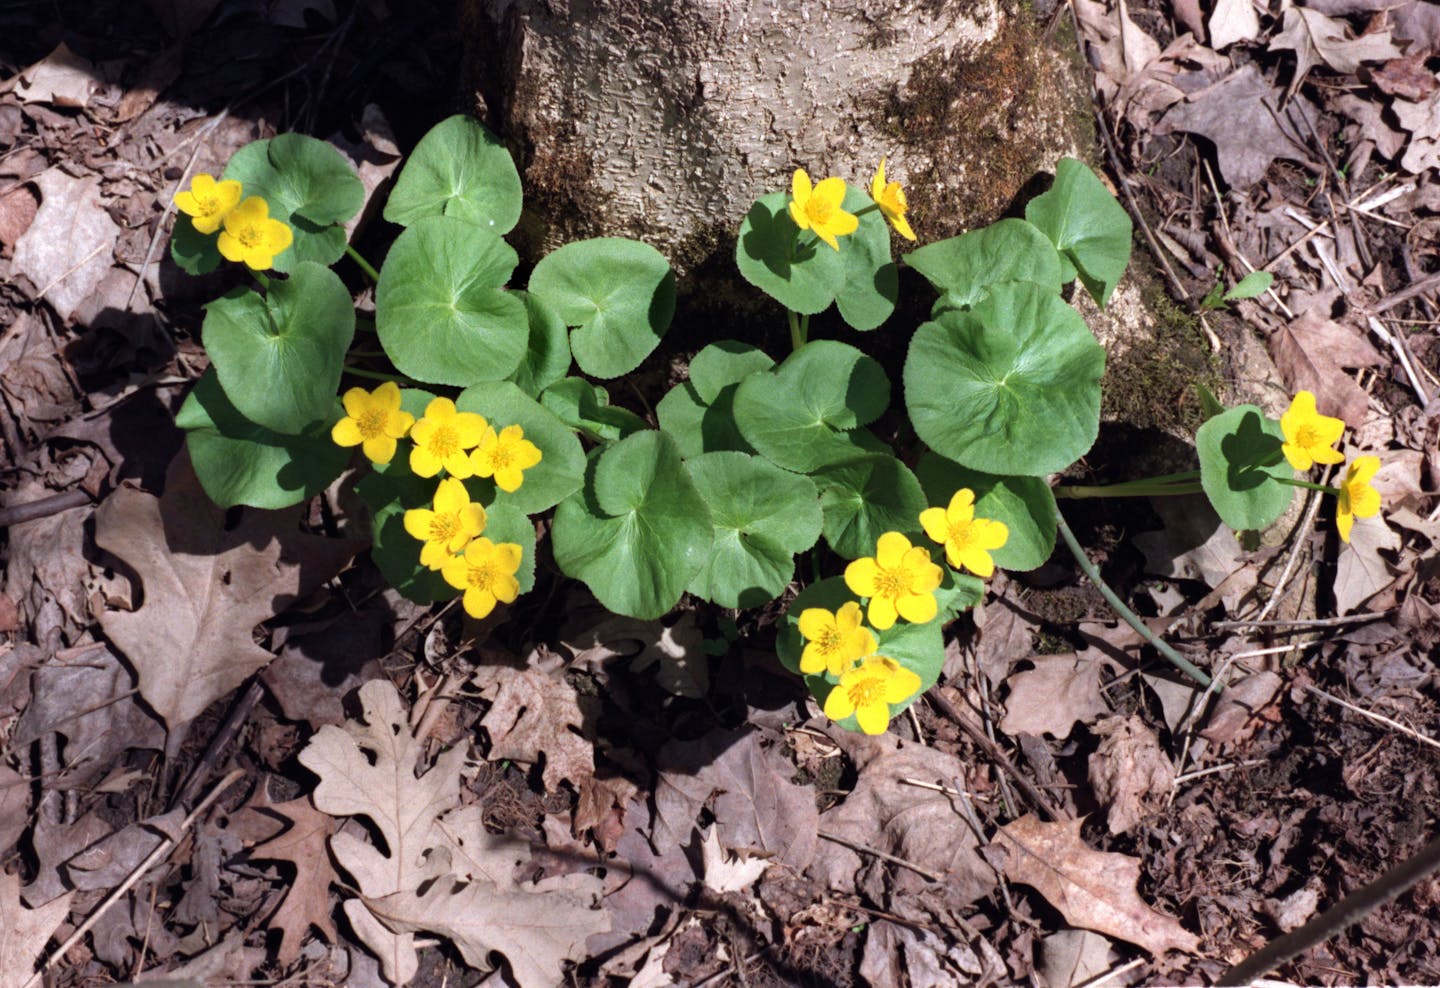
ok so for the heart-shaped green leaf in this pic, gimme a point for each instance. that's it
(963, 268)
(561, 469)
(1010, 387)
(1025, 504)
(192, 251)
(1086, 224)
(1241, 468)
(799, 415)
(865, 498)
(459, 169)
(547, 354)
(441, 310)
(700, 413)
(638, 531)
(762, 515)
(586, 407)
(280, 355)
(239, 462)
(869, 281)
(620, 294)
(767, 251)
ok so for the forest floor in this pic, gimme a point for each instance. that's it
(689, 816)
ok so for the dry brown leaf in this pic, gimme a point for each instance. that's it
(538, 713)
(307, 899)
(70, 244)
(24, 932)
(1124, 50)
(18, 207)
(1130, 774)
(1094, 890)
(1317, 38)
(1422, 119)
(1406, 77)
(1059, 692)
(1310, 351)
(1195, 545)
(1361, 572)
(1232, 21)
(1239, 707)
(205, 588)
(61, 78)
(14, 798)
(726, 871)
(1073, 957)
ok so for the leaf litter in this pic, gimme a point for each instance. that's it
(652, 808)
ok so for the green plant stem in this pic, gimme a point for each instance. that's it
(1322, 488)
(263, 278)
(799, 328)
(364, 265)
(1130, 617)
(378, 375)
(1134, 488)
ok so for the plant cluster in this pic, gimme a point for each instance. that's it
(754, 460)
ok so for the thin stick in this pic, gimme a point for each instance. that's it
(43, 507)
(1111, 974)
(154, 857)
(835, 839)
(1304, 624)
(996, 753)
(1381, 718)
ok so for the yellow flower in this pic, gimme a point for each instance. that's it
(1308, 434)
(899, 580)
(504, 457)
(891, 200)
(835, 640)
(1356, 498)
(869, 690)
(449, 528)
(967, 539)
(374, 419)
(250, 235)
(207, 201)
(486, 572)
(442, 439)
(819, 209)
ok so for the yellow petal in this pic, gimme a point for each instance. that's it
(882, 613)
(877, 184)
(901, 686)
(890, 550)
(440, 409)
(812, 660)
(479, 603)
(832, 191)
(456, 572)
(917, 608)
(398, 423)
(472, 521)
(469, 428)
(417, 523)
(356, 401)
(838, 704)
(976, 560)
(458, 464)
(450, 496)
(800, 187)
(379, 449)
(874, 718)
(346, 432)
(934, 521)
(860, 576)
(424, 463)
(814, 622)
(843, 224)
(433, 555)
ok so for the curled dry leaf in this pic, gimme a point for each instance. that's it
(1094, 890)
(535, 713)
(1059, 692)
(1129, 772)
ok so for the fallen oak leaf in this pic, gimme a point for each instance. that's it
(307, 900)
(1317, 38)
(534, 713)
(1094, 890)
(1309, 352)
(1060, 691)
(24, 932)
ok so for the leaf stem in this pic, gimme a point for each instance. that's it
(1322, 488)
(378, 375)
(799, 328)
(1127, 615)
(364, 265)
(263, 278)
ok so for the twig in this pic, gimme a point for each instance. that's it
(1032, 792)
(1111, 974)
(154, 857)
(1296, 546)
(1381, 718)
(43, 507)
(1304, 624)
(835, 839)
(1420, 287)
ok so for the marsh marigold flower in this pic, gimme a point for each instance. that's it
(818, 208)
(891, 200)
(505, 456)
(835, 639)
(207, 201)
(486, 572)
(967, 539)
(373, 420)
(443, 439)
(1309, 435)
(1357, 498)
(448, 528)
(250, 235)
(869, 690)
(899, 580)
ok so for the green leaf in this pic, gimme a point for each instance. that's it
(869, 280)
(762, 516)
(586, 407)
(638, 531)
(963, 268)
(192, 251)
(918, 647)
(441, 310)
(1241, 466)
(723, 364)
(239, 462)
(1010, 387)
(802, 278)
(279, 356)
(1253, 284)
(547, 354)
(395, 551)
(561, 469)
(799, 414)
(700, 413)
(865, 498)
(619, 293)
(506, 523)
(1083, 220)
(461, 170)
(307, 184)
(1025, 504)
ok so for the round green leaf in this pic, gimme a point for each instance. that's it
(239, 462)
(963, 268)
(586, 407)
(799, 414)
(459, 169)
(1241, 466)
(506, 523)
(918, 647)
(620, 294)
(1012, 386)
(280, 355)
(441, 311)
(192, 251)
(865, 498)
(802, 278)
(869, 280)
(700, 413)
(307, 184)
(638, 530)
(1025, 504)
(547, 354)
(762, 515)
(561, 469)
(725, 363)
(1085, 222)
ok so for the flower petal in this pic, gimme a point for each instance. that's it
(934, 521)
(450, 496)
(479, 603)
(814, 622)
(346, 432)
(901, 686)
(379, 449)
(423, 463)
(882, 613)
(860, 576)
(917, 608)
(838, 704)
(418, 521)
(874, 718)
(456, 572)
(890, 550)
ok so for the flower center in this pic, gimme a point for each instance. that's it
(480, 577)
(209, 205)
(819, 210)
(1306, 436)
(866, 692)
(960, 535)
(444, 441)
(371, 422)
(249, 236)
(829, 641)
(444, 527)
(892, 582)
(501, 455)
